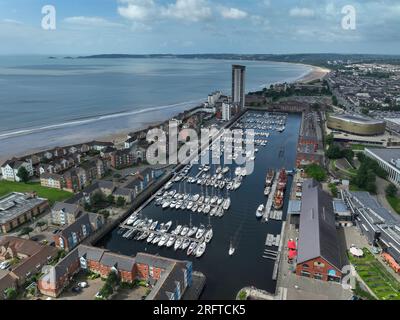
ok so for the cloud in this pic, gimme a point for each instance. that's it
(301, 12)
(233, 13)
(11, 21)
(137, 9)
(91, 21)
(190, 10)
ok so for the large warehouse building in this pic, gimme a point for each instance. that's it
(356, 125)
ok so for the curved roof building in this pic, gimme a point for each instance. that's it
(356, 124)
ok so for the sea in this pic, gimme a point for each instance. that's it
(53, 102)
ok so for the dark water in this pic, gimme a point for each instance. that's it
(227, 275)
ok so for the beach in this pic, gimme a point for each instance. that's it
(316, 73)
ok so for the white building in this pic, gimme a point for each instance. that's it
(226, 111)
(10, 168)
(213, 98)
(389, 160)
(238, 85)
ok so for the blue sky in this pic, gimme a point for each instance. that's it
(199, 26)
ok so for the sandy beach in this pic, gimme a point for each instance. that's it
(316, 73)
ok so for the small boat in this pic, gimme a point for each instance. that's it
(214, 199)
(166, 204)
(178, 243)
(213, 211)
(177, 230)
(163, 241)
(220, 200)
(151, 237)
(200, 249)
(184, 231)
(192, 248)
(200, 209)
(171, 241)
(192, 231)
(195, 207)
(260, 211)
(156, 240)
(167, 226)
(226, 204)
(154, 225)
(231, 249)
(131, 219)
(225, 170)
(267, 191)
(189, 205)
(185, 244)
(200, 232)
(209, 235)
(196, 197)
(207, 209)
(172, 204)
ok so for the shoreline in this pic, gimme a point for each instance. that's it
(119, 137)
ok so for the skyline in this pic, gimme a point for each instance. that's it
(199, 26)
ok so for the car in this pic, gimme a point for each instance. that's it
(83, 284)
(56, 231)
(5, 265)
(76, 289)
(98, 296)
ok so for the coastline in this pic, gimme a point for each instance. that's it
(317, 73)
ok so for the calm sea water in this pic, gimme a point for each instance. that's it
(226, 275)
(46, 102)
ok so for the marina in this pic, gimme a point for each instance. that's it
(238, 236)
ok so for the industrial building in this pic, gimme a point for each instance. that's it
(18, 208)
(377, 224)
(319, 256)
(389, 160)
(356, 124)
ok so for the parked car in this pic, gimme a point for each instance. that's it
(5, 265)
(83, 284)
(98, 296)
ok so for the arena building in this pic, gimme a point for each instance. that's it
(356, 125)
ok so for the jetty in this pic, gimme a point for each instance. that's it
(268, 206)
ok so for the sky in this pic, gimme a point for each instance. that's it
(200, 26)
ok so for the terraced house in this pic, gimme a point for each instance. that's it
(169, 278)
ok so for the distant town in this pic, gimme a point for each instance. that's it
(70, 215)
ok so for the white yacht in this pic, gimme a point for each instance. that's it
(184, 231)
(192, 231)
(208, 236)
(192, 248)
(185, 244)
(226, 204)
(178, 243)
(163, 240)
(200, 232)
(260, 211)
(171, 241)
(200, 249)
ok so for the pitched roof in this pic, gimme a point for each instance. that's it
(318, 235)
(67, 207)
(121, 262)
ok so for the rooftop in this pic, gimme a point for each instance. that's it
(15, 204)
(356, 119)
(386, 154)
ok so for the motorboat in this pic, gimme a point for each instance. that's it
(196, 197)
(163, 241)
(214, 199)
(167, 226)
(200, 208)
(200, 232)
(189, 205)
(154, 225)
(156, 240)
(226, 204)
(267, 191)
(184, 231)
(131, 219)
(260, 211)
(151, 237)
(220, 200)
(166, 204)
(192, 231)
(195, 207)
(208, 236)
(171, 241)
(178, 243)
(207, 209)
(172, 204)
(231, 249)
(185, 244)
(192, 248)
(213, 211)
(200, 249)
(177, 230)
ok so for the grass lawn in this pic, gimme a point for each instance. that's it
(395, 203)
(52, 195)
(376, 277)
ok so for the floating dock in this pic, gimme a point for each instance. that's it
(268, 206)
(276, 215)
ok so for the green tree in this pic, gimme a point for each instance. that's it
(106, 290)
(25, 231)
(105, 213)
(121, 202)
(23, 174)
(329, 139)
(97, 198)
(10, 293)
(334, 152)
(334, 101)
(111, 199)
(391, 190)
(315, 171)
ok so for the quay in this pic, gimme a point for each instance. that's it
(268, 206)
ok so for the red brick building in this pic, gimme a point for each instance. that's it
(319, 255)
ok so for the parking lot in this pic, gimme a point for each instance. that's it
(86, 293)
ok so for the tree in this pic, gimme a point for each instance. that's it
(106, 290)
(315, 171)
(97, 198)
(105, 213)
(391, 190)
(334, 152)
(10, 294)
(329, 139)
(111, 199)
(23, 174)
(334, 101)
(25, 231)
(121, 202)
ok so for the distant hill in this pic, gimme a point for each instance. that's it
(323, 59)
